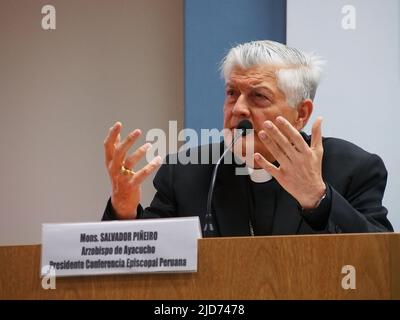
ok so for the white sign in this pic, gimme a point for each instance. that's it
(135, 246)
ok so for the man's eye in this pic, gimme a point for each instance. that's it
(230, 93)
(259, 95)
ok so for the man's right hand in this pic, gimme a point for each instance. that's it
(126, 184)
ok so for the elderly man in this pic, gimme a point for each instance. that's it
(300, 184)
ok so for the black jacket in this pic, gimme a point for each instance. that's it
(355, 180)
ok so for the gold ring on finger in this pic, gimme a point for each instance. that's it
(126, 172)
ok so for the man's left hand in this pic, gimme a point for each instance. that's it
(300, 165)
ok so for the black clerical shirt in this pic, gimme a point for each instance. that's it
(263, 205)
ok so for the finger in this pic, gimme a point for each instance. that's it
(291, 133)
(316, 137)
(109, 142)
(279, 138)
(266, 165)
(273, 148)
(118, 139)
(142, 174)
(133, 159)
(122, 149)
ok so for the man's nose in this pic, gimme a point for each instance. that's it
(241, 108)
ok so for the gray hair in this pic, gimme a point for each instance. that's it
(300, 73)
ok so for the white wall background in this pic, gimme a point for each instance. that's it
(359, 96)
(61, 90)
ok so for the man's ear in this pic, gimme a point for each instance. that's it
(304, 111)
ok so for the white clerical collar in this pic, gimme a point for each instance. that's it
(259, 175)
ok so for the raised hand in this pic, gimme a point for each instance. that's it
(300, 165)
(126, 183)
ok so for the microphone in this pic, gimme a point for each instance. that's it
(209, 228)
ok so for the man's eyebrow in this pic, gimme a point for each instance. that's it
(257, 84)
(262, 86)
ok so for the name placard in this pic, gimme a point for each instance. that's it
(135, 246)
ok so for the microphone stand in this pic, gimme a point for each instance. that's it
(209, 228)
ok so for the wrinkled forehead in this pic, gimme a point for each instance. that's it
(253, 76)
